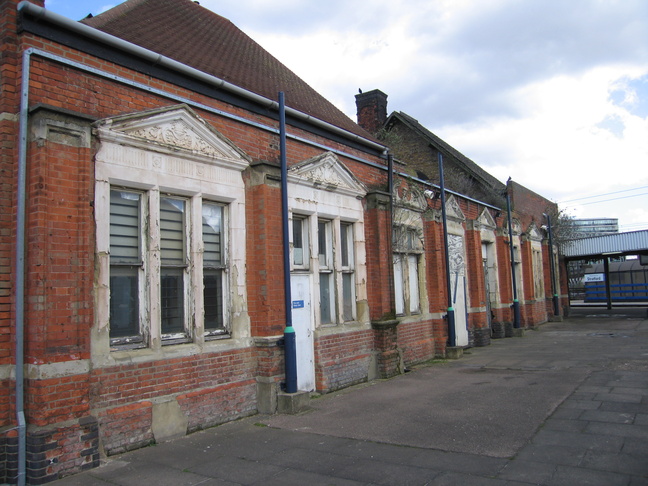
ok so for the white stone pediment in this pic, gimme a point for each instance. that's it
(453, 211)
(486, 220)
(175, 130)
(326, 172)
(533, 233)
(517, 227)
(408, 198)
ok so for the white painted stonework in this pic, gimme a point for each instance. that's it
(170, 150)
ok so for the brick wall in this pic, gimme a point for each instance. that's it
(342, 359)
(416, 341)
(529, 206)
(82, 402)
(265, 278)
(379, 256)
(477, 285)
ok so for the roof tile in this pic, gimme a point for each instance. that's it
(193, 35)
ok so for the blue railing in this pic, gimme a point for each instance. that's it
(618, 292)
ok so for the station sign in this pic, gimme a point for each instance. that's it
(594, 277)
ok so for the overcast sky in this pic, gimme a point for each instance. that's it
(553, 93)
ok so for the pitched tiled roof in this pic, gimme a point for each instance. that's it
(193, 35)
(470, 166)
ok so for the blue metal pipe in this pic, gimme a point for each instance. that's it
(290, 349)
(556, 306)
(452, 333)
(516, 302)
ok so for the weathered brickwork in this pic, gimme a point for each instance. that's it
(83, 396)
(416, 340)
(342, 359)
(126, 427)
(379, 257)
(389, 361)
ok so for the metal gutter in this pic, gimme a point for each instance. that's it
(158, 59)
(152, 57)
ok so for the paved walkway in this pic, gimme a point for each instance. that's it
(566, 404)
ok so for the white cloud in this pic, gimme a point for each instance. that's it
(553, 93)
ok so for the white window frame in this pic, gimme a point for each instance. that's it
(538, 271)
(300, 256)
(335, 267)
(324, 189)
(140, 336)
(135, 153)
(407, 258)
(346, 273)
(181, 266)
(224, 329)
(325, 268)
(150, 274)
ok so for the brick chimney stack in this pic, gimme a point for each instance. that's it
(372, 110)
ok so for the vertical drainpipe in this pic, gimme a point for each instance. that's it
(556, 307)
(290, 346)
(516, 302)
(452, 335)
(20, 269)
(390, 259)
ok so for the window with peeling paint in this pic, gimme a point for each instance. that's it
(151, 279)
(300, 248)
(408, 249)
(126, 263)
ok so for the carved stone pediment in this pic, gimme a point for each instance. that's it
(407, 198)
(517, 227)
(175, 130)
(486, 220)
(326, 172)
(533, 233)
(453, 211)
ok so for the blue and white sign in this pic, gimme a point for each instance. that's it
(594, 277)
(297, 304)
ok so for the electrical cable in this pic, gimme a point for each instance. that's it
(606, 194)
(613, 199)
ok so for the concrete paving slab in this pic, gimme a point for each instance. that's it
(565, 425)
(461, 417)
(578, 441)
(619, 463)
(236, 470)
(373, 472)
(551, 454)
(137, 474)
(292, 477)
(566, 404)
(324, 463)
(458, 479)
(636, 447)
(571, 476)
(618, 430)
(608, 417)
(463, 463)
(529, 472)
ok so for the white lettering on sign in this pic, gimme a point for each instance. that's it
(594, 277)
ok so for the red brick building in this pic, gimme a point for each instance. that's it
(141, 271)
